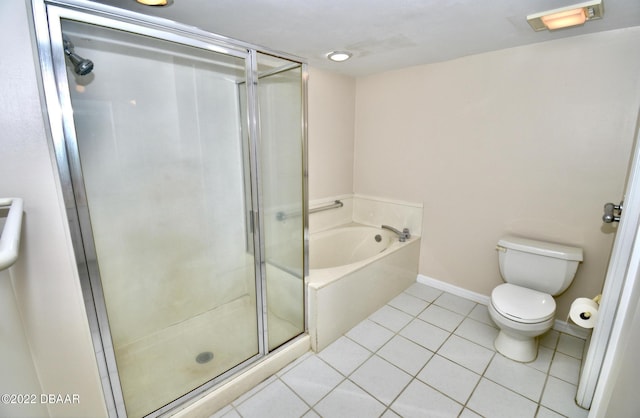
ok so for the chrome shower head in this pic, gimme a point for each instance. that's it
(81, 66)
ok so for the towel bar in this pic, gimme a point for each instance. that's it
(281, 216)
(10, 236)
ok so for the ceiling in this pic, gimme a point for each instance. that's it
(382, 34)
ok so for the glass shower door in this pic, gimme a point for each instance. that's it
(159, 175)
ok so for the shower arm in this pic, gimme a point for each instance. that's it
(81, 66)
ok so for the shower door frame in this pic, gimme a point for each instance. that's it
(48, 16)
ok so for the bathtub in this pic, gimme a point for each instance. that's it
(353, 271)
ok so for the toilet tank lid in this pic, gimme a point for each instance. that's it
(548, 249)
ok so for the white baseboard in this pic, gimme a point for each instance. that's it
(560, 326)
(453, 289)
(571, 329)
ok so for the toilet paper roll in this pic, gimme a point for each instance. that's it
(584, 312)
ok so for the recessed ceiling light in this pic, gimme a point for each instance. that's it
(339, 56)
(566, 17)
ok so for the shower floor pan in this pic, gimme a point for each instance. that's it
(168, 361)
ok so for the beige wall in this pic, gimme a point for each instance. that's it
(47, 291)
(530, 140)
(331, 116)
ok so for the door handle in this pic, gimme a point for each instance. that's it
(612, 212)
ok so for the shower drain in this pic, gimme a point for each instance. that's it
(204, 357)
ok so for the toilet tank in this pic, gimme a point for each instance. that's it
(538, 265)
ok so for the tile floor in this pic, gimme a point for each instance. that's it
(427, 353)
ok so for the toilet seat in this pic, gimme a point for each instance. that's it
(522, 305)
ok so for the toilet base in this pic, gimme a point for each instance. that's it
(517, 347)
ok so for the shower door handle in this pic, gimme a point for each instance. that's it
(612, 213)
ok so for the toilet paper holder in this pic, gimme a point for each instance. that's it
(584, 311)
(587, 315)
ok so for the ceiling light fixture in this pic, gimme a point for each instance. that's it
(566, 17)
(339, 56)
(155, 2)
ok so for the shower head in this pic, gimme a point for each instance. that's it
(81, 66)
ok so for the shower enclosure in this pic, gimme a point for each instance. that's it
(177, 149)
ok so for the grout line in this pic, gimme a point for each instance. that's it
(472, 392)
(544, 387)
(311, 406)
(374, 397)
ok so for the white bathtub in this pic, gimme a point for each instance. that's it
(347, 245)
(352, 274)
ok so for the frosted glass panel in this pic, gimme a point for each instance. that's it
(158, 136)
(280, 98)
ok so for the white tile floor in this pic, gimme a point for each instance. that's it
(426, 353)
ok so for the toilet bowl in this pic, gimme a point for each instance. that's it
(523, 307)
(522, 315)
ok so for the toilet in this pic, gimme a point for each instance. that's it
(523, 307)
